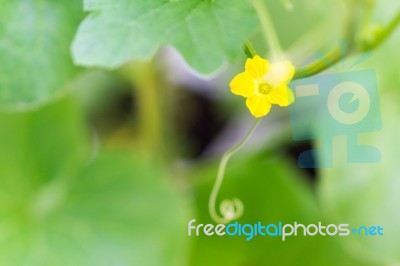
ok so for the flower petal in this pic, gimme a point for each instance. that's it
(258, 105)
(243, 85)
(281, 95)
(279, 73)
(257, 67)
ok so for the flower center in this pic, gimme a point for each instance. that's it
(264, 88)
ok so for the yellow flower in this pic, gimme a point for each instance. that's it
(264, 84)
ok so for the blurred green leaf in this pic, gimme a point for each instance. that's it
(368, 194)
(34, 50)
(272, 190)
(206, 32)
(58, 206)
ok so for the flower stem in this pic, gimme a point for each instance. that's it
(268, 29)
(230, 209)
(249, 49)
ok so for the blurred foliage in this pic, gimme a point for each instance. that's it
(34, 50)
(369, 193)
(60, 206)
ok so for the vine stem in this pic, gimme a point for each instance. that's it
(386, 32)
(335, 55)
(230, 209)
(328, 60)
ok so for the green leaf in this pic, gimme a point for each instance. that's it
(35, 36)
(60, 206)
(207, 33)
